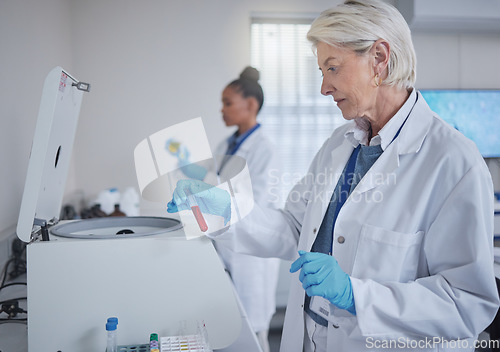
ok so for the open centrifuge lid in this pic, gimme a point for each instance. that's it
(50, 152)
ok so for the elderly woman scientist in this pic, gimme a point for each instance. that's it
(395, 248)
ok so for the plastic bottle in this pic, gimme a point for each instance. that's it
(108, 198)
(129, 202)
(111, 329)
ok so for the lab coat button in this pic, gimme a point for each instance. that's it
(314, 231)
(341, 239)
(335, 326)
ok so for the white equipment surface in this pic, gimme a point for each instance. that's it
(149, 283)
(151, 279)
(496, 224)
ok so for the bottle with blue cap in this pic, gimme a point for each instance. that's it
(111, 326)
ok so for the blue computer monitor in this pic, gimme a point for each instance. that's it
(475, 113)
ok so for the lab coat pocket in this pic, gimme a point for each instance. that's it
(385, 255)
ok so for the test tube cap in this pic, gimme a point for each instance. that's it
(113, 320)
(110, 326)
(153, 337)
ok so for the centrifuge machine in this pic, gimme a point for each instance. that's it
(142, 270)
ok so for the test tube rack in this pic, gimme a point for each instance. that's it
(185, 343)
(190, 343)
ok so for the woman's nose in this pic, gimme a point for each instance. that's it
(326, 87)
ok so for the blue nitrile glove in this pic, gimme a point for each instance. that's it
(322, 276)
(210, 199)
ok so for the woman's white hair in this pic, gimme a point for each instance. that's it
(357, 24)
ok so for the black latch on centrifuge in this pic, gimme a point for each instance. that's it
(82, 86)
(44, 227)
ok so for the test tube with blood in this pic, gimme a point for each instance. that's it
(195, 208)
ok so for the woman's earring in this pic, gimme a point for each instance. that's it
(377, 80)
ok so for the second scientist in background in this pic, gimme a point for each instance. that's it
(254, 278)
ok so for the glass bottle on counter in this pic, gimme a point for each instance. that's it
(117, 211)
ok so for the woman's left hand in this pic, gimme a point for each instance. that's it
(322, 276)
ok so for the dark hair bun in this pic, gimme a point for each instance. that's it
(250, 73)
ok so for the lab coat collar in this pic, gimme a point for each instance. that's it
(359, 131)
(391, 128)
(413, 132)
(409, 140)
(239, 138)
(340, 154)
(247, 145)
(416, 128)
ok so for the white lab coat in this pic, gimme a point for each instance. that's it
(254, 278)
(418, 240)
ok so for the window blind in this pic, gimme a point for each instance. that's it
(295, 116)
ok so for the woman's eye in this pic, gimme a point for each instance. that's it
(331, 69)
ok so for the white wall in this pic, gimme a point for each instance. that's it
(35, 36)
(457, 60)
(153, 64)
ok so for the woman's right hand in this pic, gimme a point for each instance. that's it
(210, 199)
